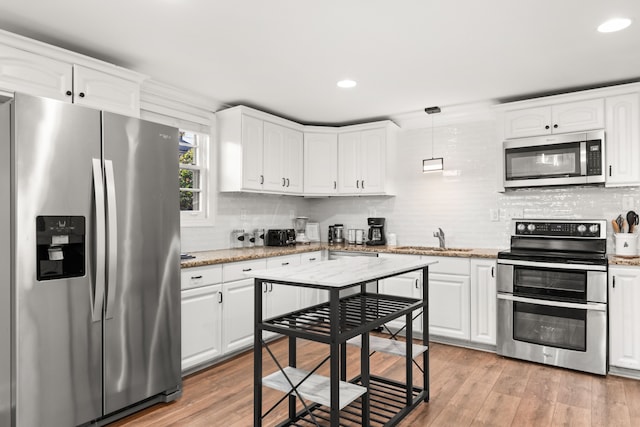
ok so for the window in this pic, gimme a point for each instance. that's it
(193, 154)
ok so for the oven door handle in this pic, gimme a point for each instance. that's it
(561, 266)
(562, 304)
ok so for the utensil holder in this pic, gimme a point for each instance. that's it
(626, 244)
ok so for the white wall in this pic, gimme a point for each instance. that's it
(459, 201)
(246, 211)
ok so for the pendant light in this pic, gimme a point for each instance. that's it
(434, 164)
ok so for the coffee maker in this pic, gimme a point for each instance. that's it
(376, 231)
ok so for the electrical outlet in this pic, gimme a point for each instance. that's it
(494, 215)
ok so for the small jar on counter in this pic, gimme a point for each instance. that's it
(237, 238)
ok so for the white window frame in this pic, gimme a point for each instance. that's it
(203, 216)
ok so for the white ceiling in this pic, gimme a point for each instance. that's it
(285, 56)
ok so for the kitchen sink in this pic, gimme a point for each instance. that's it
(432, 248)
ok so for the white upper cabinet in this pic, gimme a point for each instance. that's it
(260, 152)
(320, 163)
(622, 140)
(39, 75)
(363, 162)
(559, 118)
(105, 91)
(257, 154)
(26, 72)
(282, 159)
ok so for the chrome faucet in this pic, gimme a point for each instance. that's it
(440, 235)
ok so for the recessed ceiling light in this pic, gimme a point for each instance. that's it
(346, 84)
(615, 24)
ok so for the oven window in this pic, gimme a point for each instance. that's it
(551, 326)
(569, 285)
(547, 161)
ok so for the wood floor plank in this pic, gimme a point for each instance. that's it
(533, 412)
(567, 415)
(498, 410)
(468, 387)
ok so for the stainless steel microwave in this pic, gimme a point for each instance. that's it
(568, 159)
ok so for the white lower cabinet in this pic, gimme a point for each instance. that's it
(405, 285)
(237, 315)
(483, 301)
(449, 306)
(238, 309)
(624, 317)
(201, 325)
(280, 299)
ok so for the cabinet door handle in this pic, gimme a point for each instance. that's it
(283, 181)
(261, 179)
(362, 184)
(555, 126)
(614, 281)
(81, 95)
(417, 283)
(493, 272)
(287, 182)
(196, 277)
(270, 287)
(68, 93)
(335, 185)
(609, 170)
(220, 297)
(247, 269)
(266, 288)
(546, 127)
(357, 183)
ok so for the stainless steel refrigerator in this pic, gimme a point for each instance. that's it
(89, 258)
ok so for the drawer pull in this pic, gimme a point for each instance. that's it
(312, 259)
(247, 269)
(196, 277)
(220, 297)
(285, 263)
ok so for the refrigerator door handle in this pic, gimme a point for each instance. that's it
(112, 238)
(98, 293)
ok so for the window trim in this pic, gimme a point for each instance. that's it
(204, 216)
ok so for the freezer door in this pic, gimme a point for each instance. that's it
(142, 323)
(58, 345)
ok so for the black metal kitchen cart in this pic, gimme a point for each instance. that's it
(367, 399)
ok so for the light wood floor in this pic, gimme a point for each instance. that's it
(468, 387)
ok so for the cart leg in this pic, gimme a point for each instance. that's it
(257, 354)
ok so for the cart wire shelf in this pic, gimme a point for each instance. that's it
(387, 406)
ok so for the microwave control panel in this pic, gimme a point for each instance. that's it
(594, 158)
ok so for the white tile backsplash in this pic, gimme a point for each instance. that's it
(459, 201)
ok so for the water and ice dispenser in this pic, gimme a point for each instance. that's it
(60, 242)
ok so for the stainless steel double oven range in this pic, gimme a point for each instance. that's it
(552, 294)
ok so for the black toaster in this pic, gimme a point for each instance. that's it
(281, 237)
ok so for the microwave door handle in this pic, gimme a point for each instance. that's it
(112, 245)
(583, 158)
(551, 303)
(98, 194)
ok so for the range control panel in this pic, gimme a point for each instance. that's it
(571, 228)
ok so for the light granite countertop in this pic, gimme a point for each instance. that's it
(222, 256)
(620, 260)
